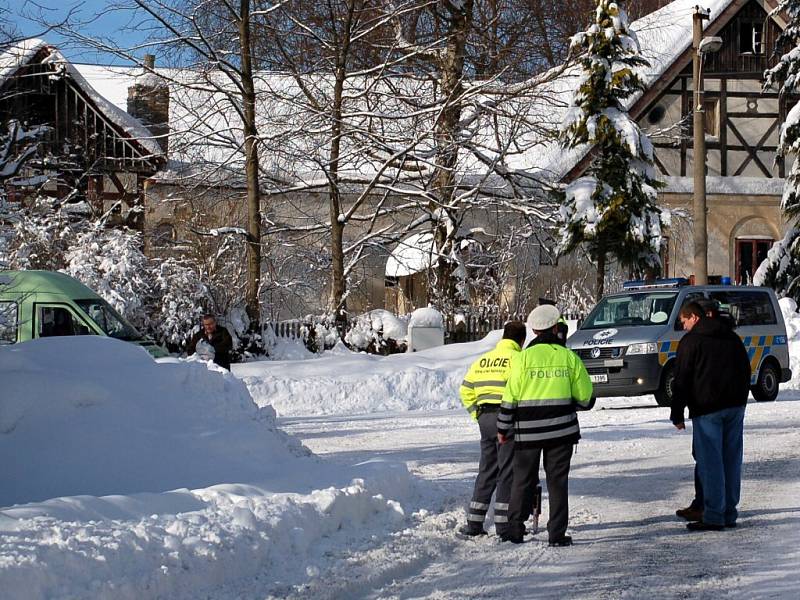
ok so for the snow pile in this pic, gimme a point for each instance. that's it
(792, 319)
(93, 415)
(85, 417)
(354, 383)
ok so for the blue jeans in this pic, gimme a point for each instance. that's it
(718, 445)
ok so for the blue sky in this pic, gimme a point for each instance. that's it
(96, 18)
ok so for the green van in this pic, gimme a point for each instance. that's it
(37, 304)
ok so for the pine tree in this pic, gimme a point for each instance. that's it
(781, 268)
(611, 210)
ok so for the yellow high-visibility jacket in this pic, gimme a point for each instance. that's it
(486, 378)
(539, 400)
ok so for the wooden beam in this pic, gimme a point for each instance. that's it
(751, 152)
(723, 127)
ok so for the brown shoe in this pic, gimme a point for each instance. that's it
(690, 514)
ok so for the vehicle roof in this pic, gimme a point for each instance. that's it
(44, 282)
(692, 288)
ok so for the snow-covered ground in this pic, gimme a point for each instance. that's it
(132, 478)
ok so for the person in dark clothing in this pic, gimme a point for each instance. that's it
(694, 512)
(217, 337)
(712, 379)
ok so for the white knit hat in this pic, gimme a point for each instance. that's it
(543, 317)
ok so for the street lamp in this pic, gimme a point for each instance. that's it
(702, 46)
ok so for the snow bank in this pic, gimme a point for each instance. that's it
(105, 442)
(93, 415)
(792, 319)
(354, 383)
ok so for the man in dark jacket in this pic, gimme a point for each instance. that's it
(217, 337)
(712, 378)
(694, 512)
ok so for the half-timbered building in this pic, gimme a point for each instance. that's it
(742, 124)
(65, 140)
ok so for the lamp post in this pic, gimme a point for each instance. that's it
(701, 47)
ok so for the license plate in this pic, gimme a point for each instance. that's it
(599, 378)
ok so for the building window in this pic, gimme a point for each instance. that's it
(656, 114)
(163, 234)
(751, 37)
(711, 116)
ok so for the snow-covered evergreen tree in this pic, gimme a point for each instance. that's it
(781, 268)
(612, 210)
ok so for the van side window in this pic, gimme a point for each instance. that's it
(747, 308)
(57, 321)
(9, 322)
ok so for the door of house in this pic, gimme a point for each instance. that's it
(749, 255)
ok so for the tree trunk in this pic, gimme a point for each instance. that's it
(338, 293)
(251, 170)
(601, 275)
(446, 135)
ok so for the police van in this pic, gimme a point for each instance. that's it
(629, 340)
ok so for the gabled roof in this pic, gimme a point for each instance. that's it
(14, 57)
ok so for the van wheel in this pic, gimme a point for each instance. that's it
(664, 392)
(766, 387)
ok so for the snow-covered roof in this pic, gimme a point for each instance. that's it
(412, 255)
(14, 57)
(664, 36)
(740, 186)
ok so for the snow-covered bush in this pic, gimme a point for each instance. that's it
(781, 268)
(377, 332)
(179, 301)
(38, 239)
(320, 333)
(111, 262)
(573, 298)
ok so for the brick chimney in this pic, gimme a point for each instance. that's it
(148, 101)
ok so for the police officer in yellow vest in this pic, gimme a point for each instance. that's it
(546, 385)
(481, 393)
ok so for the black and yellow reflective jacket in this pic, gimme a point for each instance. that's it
(546, 383)
(486, 379)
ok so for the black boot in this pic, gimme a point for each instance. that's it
(472, 530)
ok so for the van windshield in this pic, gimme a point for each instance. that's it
(109, 320)
(631, 310)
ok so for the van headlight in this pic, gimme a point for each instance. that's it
(648, 348)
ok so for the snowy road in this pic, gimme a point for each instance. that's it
(631, 472)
